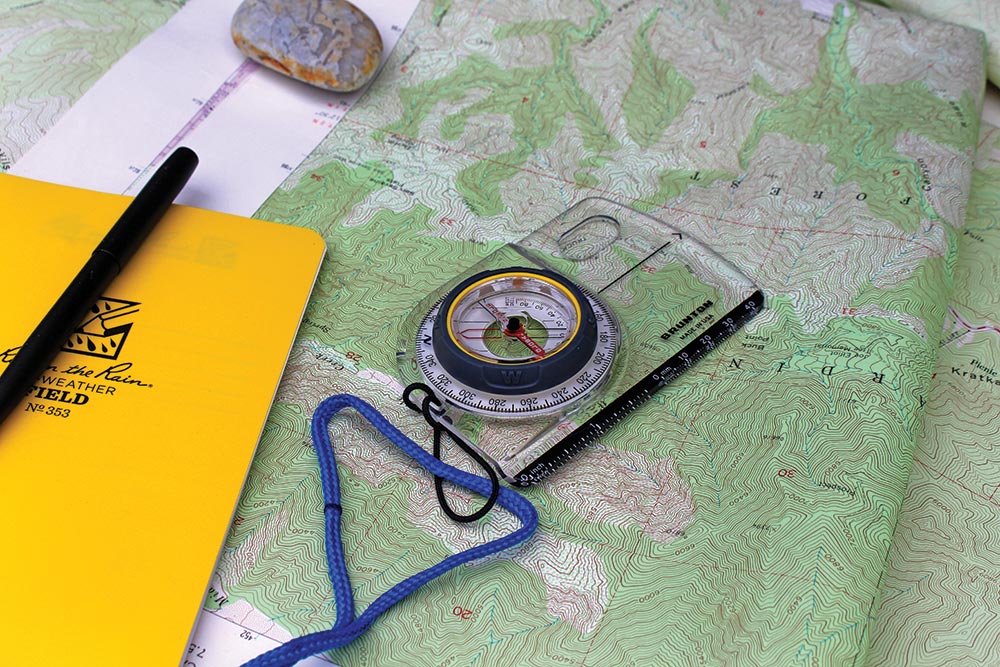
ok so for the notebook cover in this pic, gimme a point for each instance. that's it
(120, 470)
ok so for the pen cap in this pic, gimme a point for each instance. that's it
(150, 204)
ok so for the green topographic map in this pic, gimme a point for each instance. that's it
(816, 492)
(979, 14)
(939, 600)
(52, 52)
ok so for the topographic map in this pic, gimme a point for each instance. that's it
(815, 493)
(979, 14)
(939, 600)
(51, 52)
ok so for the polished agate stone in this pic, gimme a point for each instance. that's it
(327, 43)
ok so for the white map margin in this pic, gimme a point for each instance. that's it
(247, 144)
(222, 642)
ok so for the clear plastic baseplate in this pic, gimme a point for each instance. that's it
(672, 300)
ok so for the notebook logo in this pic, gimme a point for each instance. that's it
(103, 332)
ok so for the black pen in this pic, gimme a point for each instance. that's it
(106, 262)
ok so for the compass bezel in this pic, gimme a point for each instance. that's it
(519, 387)
(582, 312)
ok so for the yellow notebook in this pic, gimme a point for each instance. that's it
(120, 471)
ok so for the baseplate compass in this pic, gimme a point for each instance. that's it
(545, 345)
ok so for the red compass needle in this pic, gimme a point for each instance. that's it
(516, 329)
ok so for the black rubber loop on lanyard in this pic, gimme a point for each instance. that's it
(439, 427)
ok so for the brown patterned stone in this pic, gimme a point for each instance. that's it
(327, 43)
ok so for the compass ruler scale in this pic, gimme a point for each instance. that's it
(635, 396)
(548, 343)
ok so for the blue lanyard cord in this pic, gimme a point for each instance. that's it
(347, 628)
